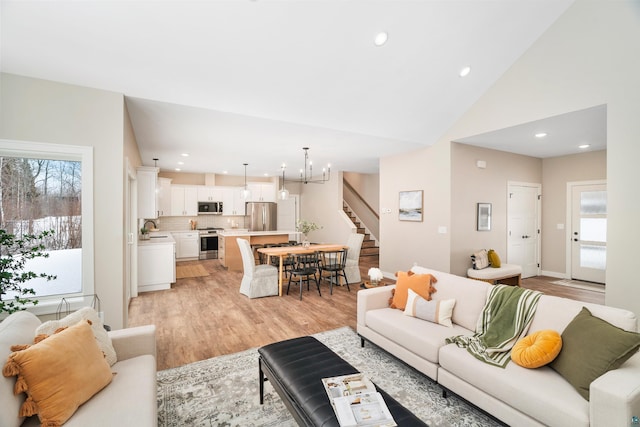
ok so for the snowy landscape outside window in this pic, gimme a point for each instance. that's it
(49, 186)
(38, 194)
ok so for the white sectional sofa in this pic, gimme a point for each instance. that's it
(515, 395)
(129, 400)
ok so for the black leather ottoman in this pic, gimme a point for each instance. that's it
(295, 369)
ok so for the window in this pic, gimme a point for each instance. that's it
(49, 187)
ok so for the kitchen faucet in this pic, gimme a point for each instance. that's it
(152, 222)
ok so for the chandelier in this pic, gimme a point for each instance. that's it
(306, 174)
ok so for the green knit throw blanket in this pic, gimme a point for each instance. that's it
(505, 319)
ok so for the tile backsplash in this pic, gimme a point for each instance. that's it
(181, 223)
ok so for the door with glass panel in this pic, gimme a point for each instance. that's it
(589, 232)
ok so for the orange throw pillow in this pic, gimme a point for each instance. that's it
(419, 283)
(537, 349)
(59, 373)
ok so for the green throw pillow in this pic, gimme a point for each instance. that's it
(590, 348)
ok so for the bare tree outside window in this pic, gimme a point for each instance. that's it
(37, 195)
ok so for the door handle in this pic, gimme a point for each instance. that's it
(575, 240)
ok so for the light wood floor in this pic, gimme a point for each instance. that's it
(204, 317)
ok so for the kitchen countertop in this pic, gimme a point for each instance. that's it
(157, 237)
(234, 232)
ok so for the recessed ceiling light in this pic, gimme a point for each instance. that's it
(583, 146)
(178, 169)
(225, 172)
(464, 72)
(541, 134)
(381, 38)
(181, 163)
(185, 154)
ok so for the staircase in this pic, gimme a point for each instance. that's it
(369, 247)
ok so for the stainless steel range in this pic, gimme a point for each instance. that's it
(209, 242)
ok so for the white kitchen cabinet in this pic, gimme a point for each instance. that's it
(187, 245)
(233, 203)
(146, 180)
(262, 192)
(209, 194)
(163, 200)
(156, 266)
(184, 200)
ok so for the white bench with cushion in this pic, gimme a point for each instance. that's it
(509, 274)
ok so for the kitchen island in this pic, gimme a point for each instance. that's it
(229, 252)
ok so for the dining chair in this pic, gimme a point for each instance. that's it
(352, 267)
(333, 263)
(304, 269)
(258, 280)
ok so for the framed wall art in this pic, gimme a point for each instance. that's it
(410, 206)
(484, 217)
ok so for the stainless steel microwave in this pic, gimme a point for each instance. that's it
(209, 208)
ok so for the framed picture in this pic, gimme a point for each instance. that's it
(410, 206)
(484, 217)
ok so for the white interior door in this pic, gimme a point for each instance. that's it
(589, 232)
(523, 227)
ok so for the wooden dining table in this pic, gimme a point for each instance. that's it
(282, 251)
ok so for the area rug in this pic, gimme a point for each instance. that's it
(589, 286)
(223, 391)
(193, 270)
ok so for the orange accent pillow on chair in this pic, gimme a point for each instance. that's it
(419, 283)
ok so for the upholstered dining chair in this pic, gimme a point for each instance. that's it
(305, 269)
(258, 280)
(332, 266)
(352, 267)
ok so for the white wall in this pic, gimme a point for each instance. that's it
(583, 60)
(471, 185)
(322, 204)
(402, 243)
(43, 111)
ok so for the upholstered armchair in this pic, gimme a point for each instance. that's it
(352, 268)
(258, 280)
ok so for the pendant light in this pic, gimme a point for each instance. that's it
(246, 193)
(283, 194)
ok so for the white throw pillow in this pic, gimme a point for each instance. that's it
(85, 313)
(480, 259)
(435, 311)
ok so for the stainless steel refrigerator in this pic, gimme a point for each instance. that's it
(262, 216)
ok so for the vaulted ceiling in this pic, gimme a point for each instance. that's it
(237, 81)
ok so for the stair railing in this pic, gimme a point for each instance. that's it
(372, 236)
(360, 198)
(363, 204)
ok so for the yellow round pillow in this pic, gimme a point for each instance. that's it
(537, 349)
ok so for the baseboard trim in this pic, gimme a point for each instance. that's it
(554, 274)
